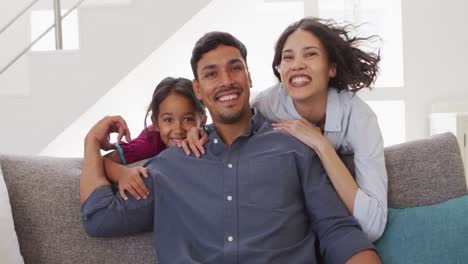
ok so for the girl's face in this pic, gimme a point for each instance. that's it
(176, 117)
(305, 69)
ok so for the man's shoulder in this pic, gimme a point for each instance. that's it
(280, 139)
(166, 157)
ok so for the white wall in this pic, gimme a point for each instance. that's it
(114, 39)
(257, 26)
(435, 38)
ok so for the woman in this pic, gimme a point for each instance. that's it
(320, 70)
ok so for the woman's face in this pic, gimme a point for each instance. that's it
(304, 68)
(176, 117)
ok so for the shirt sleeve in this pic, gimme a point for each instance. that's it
(365, 139)
(339, 234)
(148, 144)
(106, 214)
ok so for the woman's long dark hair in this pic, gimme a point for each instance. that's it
(355, 69)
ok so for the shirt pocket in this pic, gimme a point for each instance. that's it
(274, 181)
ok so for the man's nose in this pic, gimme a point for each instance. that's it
(226, 79)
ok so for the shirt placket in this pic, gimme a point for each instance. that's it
(230, 206)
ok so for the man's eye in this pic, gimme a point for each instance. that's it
(236, 68)
(210, 74)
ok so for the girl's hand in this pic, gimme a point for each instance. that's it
(195, 140)
(303, 130)
(110, 124)
(132, 182)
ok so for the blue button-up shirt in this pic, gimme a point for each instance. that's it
(265, 199)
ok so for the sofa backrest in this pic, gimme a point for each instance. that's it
(44, 196)
(424, 172)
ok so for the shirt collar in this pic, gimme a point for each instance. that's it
(214, 141)
(334, 111)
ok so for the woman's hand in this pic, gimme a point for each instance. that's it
(303, 130)
(130, 180)
(194, 142)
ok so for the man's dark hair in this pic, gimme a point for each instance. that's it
(211, 41)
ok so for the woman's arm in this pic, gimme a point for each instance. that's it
(365, 197)
(310, 134)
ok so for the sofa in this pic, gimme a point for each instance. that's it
(44, 197)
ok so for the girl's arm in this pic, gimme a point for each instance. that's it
(146, 145)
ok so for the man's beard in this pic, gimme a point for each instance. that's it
(231, 118)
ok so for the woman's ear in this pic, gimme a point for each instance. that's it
(332, 70)
(155, 123)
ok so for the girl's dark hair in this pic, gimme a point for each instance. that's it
(355, 69)
(179, 86)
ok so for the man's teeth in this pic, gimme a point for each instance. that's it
(300, 80)
(228, 97)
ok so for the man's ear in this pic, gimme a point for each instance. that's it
(196, 89)
(155, 124)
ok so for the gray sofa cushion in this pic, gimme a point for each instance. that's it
(424, 172)
(44, 198)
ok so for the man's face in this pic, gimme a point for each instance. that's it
(224, 84)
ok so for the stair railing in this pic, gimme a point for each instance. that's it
(57, 24)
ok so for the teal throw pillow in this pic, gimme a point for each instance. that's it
(428, 234)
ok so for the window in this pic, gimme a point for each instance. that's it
(375, 17)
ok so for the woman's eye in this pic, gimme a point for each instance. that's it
(287, 58)
(310, 54)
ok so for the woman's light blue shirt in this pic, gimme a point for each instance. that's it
(352, 128)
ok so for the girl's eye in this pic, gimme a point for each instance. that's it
(189, 119)
(167, 119)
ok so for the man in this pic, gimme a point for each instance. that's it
(256, 196)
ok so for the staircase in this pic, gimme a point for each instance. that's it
(115, 36)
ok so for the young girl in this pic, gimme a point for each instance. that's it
(320, 69)
(174, 110)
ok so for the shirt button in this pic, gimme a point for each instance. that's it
(215, 141)
(230, 165)
(229, 198)
(230, 238)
